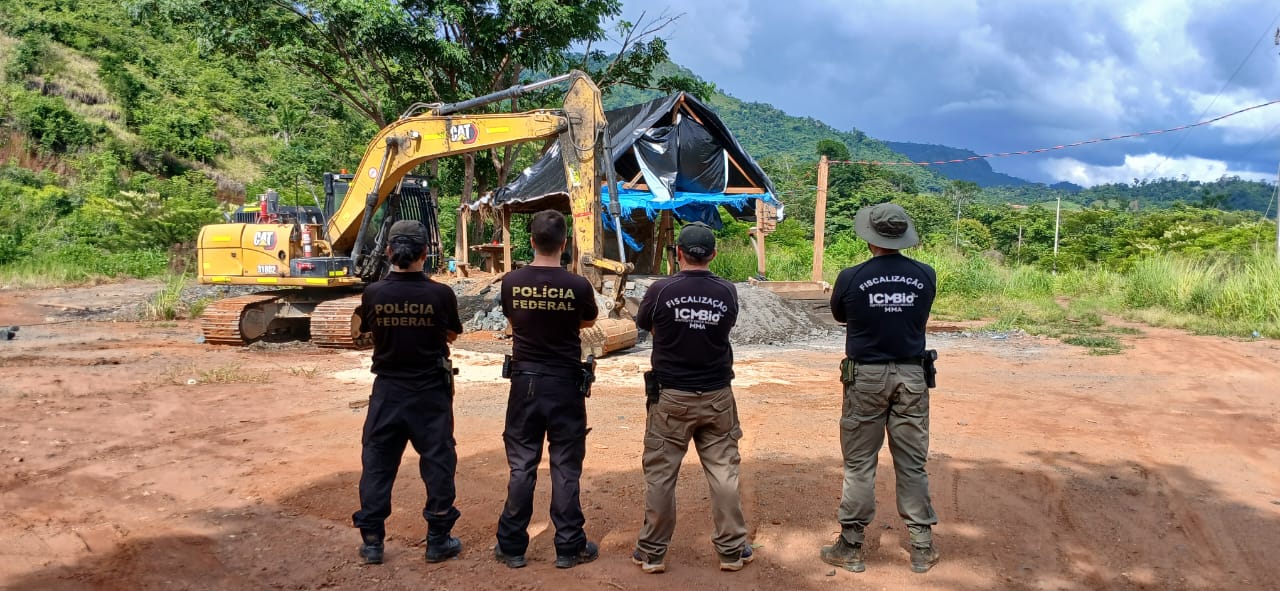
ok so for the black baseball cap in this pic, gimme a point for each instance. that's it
(411, 230)
(697, 239)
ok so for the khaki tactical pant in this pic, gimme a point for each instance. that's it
(892, 397)
(710, 420)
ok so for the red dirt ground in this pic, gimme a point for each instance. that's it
(1051, 469)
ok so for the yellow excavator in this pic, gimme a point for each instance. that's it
(322, 264)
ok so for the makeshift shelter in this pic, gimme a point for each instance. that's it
(674, 159)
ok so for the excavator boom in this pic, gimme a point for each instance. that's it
(333, 255)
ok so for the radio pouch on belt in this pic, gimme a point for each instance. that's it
(506, 367)
(446, 364)
(848, 369)
(588, 376)
(651, 389)
(930, 369)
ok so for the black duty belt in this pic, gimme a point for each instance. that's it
(537, 369)
(904, 361)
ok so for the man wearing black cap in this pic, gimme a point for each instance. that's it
(885, 301)
(690, 316)
(413, 319)
(546, 306)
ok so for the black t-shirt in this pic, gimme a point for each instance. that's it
(545, 306)
(409, 315)
(886, 302)
(690, 316)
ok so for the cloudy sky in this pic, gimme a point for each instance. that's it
(996, 76)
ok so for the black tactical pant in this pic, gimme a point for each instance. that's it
(420, 412)
(550, 407)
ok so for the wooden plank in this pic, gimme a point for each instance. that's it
(820, 219)
(759, 238)
(506, 241)
(743, 191)
(744, 173)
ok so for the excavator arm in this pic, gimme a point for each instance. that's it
(410, 141)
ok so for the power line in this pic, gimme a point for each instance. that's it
(1063, 146)
(1183, 137)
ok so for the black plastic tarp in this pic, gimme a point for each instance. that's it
(675, 152)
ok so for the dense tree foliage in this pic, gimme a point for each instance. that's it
(145, 115)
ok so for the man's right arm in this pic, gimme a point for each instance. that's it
(644, 316)
(505, 297)
(365, 324)
(837, 297)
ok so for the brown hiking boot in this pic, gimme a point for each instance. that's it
(923, 559)
(844, 555)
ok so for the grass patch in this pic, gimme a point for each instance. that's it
(231, 373)
(1097, 344)
(81, 265)
(167, 303)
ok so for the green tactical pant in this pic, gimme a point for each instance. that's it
(886, 397)
(710, 420)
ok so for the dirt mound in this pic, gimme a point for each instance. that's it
(763, 317)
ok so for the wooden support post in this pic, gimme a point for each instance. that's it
(666, 236)
(506, 240)
(820, 219)
(463, 250)
(760, 230)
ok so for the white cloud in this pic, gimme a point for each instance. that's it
(719, 31)
(1002, 76)
(1143, 166)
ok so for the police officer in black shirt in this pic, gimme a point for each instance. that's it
(546, 306)
(413, 319)
(885, 302)
(690, 316)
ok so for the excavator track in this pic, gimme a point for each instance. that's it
(236, 321)
(334, 325)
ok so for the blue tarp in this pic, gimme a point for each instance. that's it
(688, 207)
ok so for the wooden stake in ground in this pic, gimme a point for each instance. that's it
(820, 219)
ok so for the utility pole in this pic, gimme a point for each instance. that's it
(820, 218)
(1057, 223)
(959, 197)
(1276, 194)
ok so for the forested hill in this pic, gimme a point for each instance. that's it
(1227, 193)
(768, 132)
(975, 171)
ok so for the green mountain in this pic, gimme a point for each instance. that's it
(766, 131)
(976, 171)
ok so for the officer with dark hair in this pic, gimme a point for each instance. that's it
(413, 319)
(885, 301)
(546, 306)
(690, 316)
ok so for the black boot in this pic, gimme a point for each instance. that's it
(442, 547)
(844, 555)
(588, 553)
(923, 558)
(371, 549)
(511, 560)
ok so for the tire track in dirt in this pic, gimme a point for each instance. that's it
(177, 440)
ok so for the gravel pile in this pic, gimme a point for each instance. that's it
(763, 316)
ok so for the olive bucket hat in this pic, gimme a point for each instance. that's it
(886, 225)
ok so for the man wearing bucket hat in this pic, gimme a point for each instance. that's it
(885, 303)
